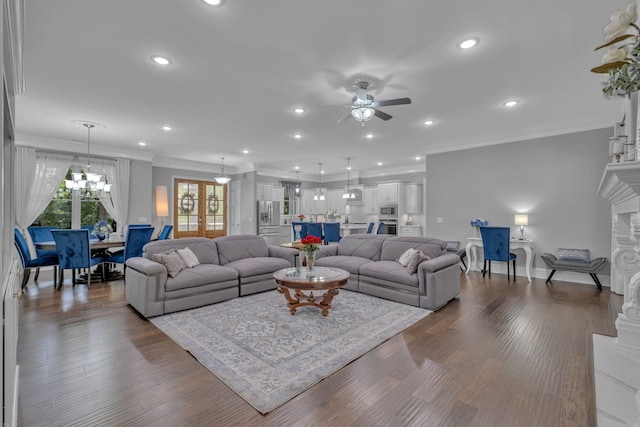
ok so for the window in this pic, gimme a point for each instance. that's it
(67, 211)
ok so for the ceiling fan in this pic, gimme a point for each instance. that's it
(364, 106)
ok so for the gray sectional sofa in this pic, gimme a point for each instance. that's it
(228, 267)
(372, 262)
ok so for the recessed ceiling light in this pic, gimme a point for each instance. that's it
(296, 167)
(214, 2)
(469, 43)
(418, 158)
(429, 122)
(379, 163)
(297, 135)
(167, 128)
(369, 135)
(298, 110)
(245, 151)
(160, 60)
(142, 143)
(512, 103)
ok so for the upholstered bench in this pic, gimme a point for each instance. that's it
(574, 264)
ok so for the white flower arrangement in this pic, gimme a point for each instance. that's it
(331, 215)
(620, 61)
(102, 227)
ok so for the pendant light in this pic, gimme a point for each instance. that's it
(89, 184)
(297, 184)
(319, 194)
(348, 194)
(222, 179)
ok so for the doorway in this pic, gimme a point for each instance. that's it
(200, 209)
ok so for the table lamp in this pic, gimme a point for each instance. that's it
(521, 220)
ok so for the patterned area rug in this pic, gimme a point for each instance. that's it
(268, 356)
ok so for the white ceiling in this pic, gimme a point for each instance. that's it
(239, 70)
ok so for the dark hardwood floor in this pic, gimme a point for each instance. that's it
(502, 354)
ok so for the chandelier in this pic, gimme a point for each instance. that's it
(87, 184)
(319, 194)
(297, 184)
(222, 179)
(348, 194)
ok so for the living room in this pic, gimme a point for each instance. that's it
(545, 157)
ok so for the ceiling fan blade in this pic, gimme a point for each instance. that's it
(344, 118)
(333, 106)
(381, 114)
(399, 101)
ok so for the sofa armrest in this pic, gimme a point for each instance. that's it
(145, 282)
(327, 250)
(439, 262)
(288, 254)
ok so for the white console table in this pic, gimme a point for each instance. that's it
(473, 243)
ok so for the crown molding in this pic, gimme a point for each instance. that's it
(50, 144)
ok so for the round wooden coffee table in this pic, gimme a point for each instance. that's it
(299, 280)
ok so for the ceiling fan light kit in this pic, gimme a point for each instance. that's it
(364, 107)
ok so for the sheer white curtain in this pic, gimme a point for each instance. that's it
(34, 190)
(117, 174)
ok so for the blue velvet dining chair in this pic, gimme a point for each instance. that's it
(495, 242)
(74, 253)
(314, 229)
(136, 238)
(302, 232)
(28, 263)
(331, 232)
(38, 235)
(370, 227)
(379, 229)
(166, 231)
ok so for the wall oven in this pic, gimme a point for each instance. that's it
(389, 226)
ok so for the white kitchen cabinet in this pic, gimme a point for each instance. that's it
(308, 205)
(371, 201)
(388, 192)
(278, 196)
(336, 202)
(264, 192)
(412, 198)
(411, 230)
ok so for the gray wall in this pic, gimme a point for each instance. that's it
(555, 180)
(140, 207)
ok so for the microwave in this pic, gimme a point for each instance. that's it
(389, 210)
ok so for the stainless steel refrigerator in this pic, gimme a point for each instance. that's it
(268, 215)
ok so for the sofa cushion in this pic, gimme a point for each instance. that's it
(574, 254)
(350, 263)
(393, 247)
(407, 256)
(234, 248)
(200, 275)
(390, 271)
(362, 245)
(248, 267)
(412, 265)
(205, 249)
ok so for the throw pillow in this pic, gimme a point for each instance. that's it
(406, 256)
(412, 266)
(574, 254)
(189, 258)
(172, 262)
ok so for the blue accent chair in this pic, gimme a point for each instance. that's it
(314, 229)
(136, 238)
(370, 227)
(331, 232)
(42, 234)
(379, 230)
(28, 263)
(138, 225)
(166, 231)
(495, 242)
(297, 235)
(74, 252)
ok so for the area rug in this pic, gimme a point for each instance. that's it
(268, 356)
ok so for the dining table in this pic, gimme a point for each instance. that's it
(98, 249)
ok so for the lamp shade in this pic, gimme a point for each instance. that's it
(521, 219)
(162, 201)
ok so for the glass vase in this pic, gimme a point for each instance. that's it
(311, 260)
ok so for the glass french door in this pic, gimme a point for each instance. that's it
(200, 209)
